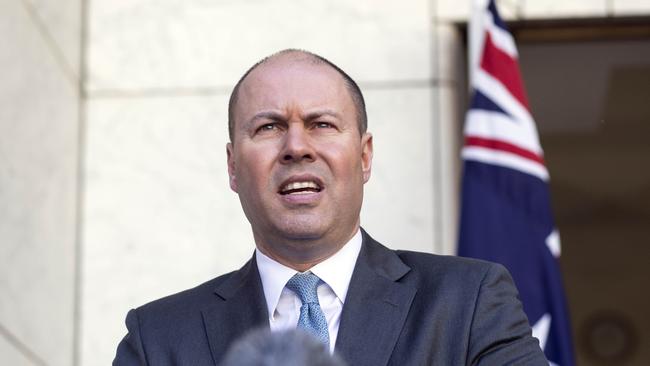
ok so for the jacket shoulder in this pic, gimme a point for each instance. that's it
(160, 332)
(183, 302)
(447, 267)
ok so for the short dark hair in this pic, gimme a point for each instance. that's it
(350, 84)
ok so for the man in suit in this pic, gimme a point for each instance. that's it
(298, 158)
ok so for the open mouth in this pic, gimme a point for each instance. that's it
(303, 187)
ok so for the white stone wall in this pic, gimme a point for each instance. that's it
(155, 212)
(39, 108)
(450, 10)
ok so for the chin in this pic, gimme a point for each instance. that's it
(301, 230)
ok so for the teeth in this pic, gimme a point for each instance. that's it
(299, 185)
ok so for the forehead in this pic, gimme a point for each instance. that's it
(292, 82)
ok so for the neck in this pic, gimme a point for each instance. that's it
(301, 255)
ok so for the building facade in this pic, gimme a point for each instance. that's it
(113, 125)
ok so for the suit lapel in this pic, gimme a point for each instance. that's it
(239, 306)
(375, 307)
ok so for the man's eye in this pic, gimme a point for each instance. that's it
(324, 125)
(267, 127)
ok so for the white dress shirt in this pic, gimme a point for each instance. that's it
(284, 306)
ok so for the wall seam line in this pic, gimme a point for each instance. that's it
(216, 91)
(81, 150)
(51, 43)
(20, 346)
(438, 246)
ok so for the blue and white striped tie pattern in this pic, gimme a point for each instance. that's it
(312, 318)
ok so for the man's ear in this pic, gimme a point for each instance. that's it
(366, 155)
(231, 166)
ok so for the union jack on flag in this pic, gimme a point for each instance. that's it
(506, 211)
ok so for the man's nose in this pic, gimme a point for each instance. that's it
(297, 145)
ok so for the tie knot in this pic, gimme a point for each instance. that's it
(305, 285)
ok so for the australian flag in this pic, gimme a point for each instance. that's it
(506, 211)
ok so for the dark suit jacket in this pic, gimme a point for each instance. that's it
(402, 308)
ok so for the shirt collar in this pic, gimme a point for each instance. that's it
(335, 271)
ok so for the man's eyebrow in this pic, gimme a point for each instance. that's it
(325, 112)
(277, 116)
(272, 115)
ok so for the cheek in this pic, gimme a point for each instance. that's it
(253, 171)
(346, 165)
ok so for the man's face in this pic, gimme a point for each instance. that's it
(297, 159)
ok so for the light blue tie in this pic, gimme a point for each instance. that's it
(312, 319)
